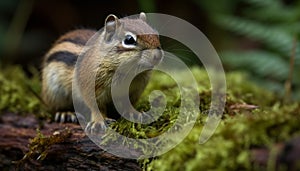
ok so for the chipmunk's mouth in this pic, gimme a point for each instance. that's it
(151, 58)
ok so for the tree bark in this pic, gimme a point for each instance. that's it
(73, 151)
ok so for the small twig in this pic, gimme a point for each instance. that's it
(288, 82)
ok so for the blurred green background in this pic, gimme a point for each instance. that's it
(259, 37)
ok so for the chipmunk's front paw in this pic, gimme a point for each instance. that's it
(98, 127)
(95, 127)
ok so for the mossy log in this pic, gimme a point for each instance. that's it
(55, 147)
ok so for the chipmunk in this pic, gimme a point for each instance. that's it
(121, 40)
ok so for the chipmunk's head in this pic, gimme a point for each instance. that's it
(133, 40)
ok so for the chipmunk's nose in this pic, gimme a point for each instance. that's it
(151, 57)
(157, 55)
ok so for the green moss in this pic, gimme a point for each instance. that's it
(18, 92)
(229, 148)
(253, 117)
(241, 128)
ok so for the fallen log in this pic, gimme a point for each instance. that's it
(22, 147)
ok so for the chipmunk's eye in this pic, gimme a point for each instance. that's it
(129, 40)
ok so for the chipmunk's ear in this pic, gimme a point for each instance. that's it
(143, 16)
(112, 23)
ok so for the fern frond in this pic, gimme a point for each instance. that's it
(267, 69)
(261, 63)
(274, 38)
(272, 11)
(275, 25)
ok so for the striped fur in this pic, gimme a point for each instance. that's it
(66, 57)
(58, 67)
(70, 44)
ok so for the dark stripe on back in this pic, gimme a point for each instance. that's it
(63, 56)
(78, 37)
(75, 40)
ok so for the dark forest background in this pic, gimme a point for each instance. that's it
(260, 38)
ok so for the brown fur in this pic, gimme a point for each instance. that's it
(83, 35)
(149, 41)
(98, 63)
